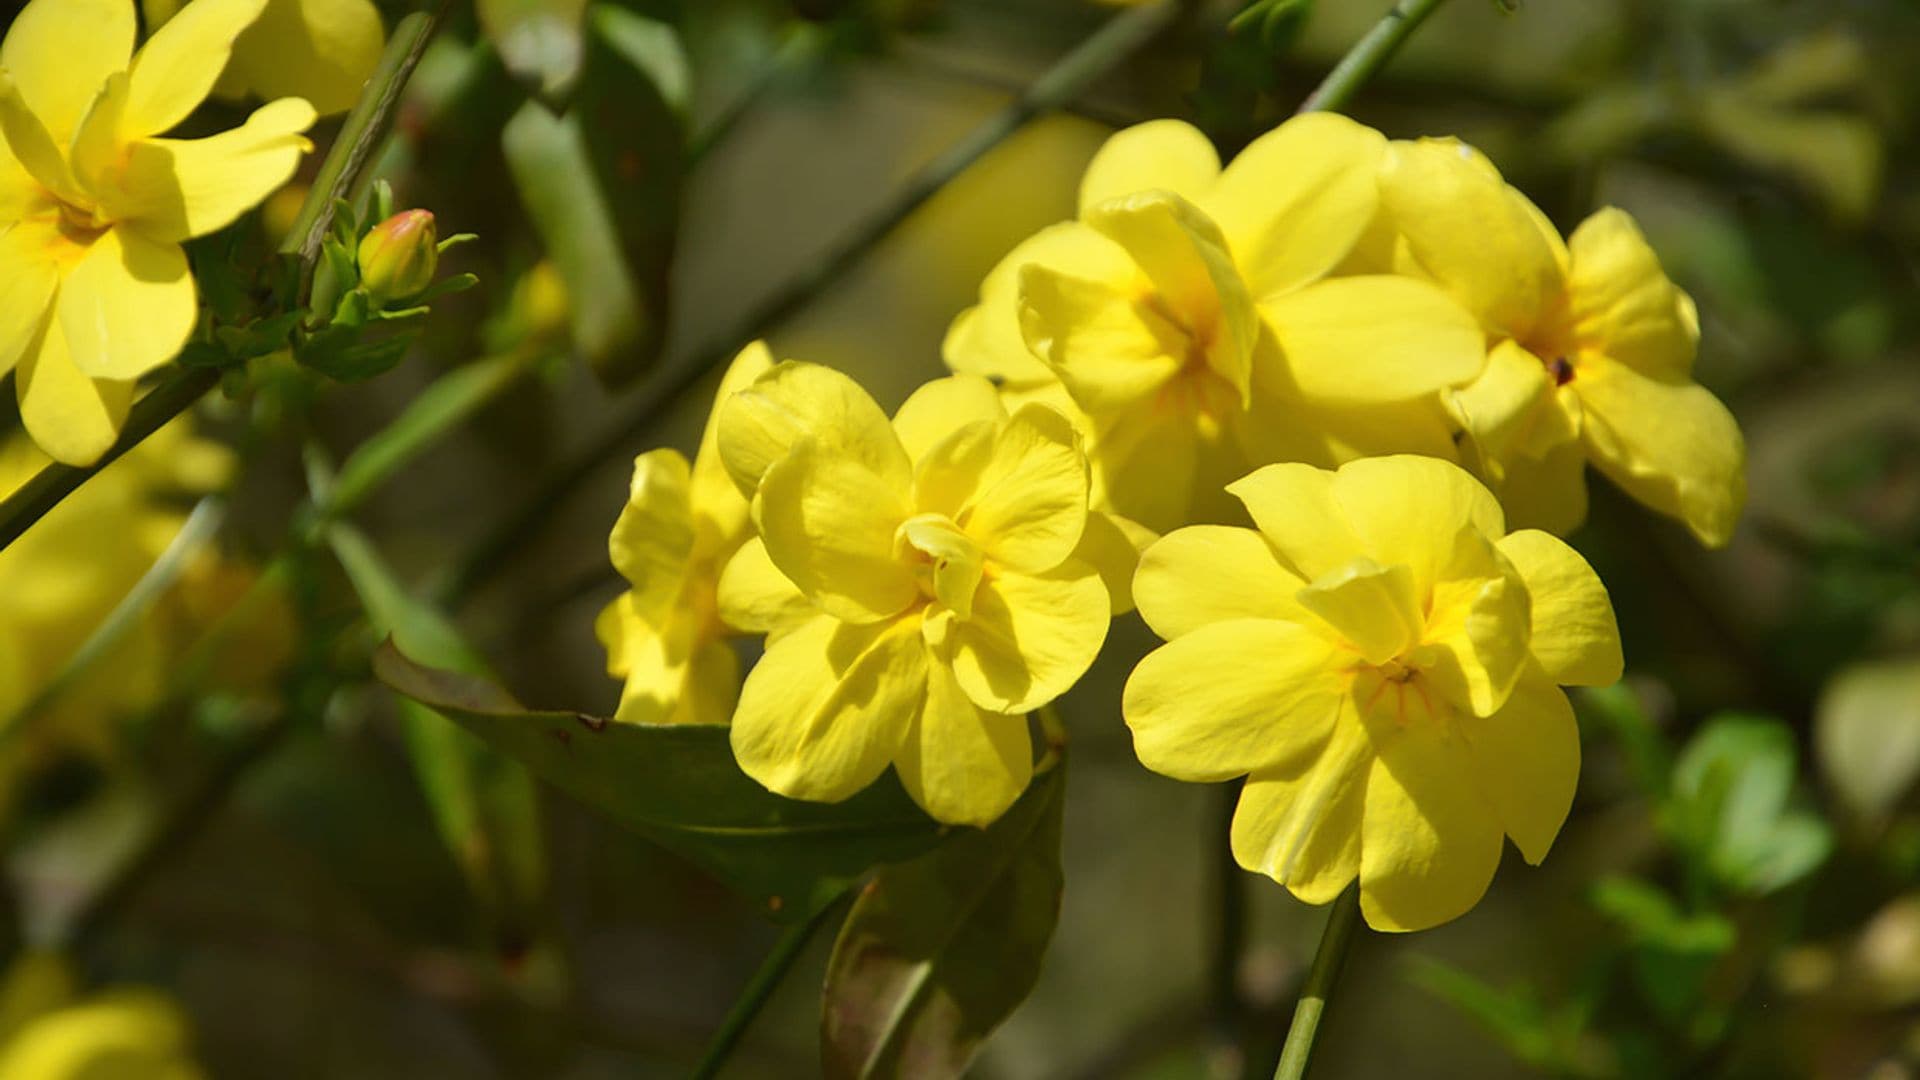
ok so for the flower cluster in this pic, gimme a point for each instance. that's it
(95, 203)
(1377, 352)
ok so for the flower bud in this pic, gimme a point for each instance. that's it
(400, 256)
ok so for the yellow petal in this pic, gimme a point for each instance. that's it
(1296, 200)
(1030, 637)
(121, 1034)
(1410, 510)
(128, 306)
(650, 655)
(986, 340)
(1112, 546)
(711, 492)
(1205, 574)
(652, 540)
(1301, 824)
(60, 53)
(828, 707)
(1374, 339)
(1622, 303)
(1477, 630)
(1294, 507)
(1328, 434)
(712, 686)
(760, 424)
(1168, 155)
(176, 189)
(177, 67)
(32, 146)
(1181, 251)
(1110, 350)
(963, 764)
(940, 407)
(319, 50)
(1550, 493)
(1527, 758)
(1509, 410)
(1574, 636)
(1475, 235)
(1431, 839)
(70, 416)
(28, 278)
(1233, 697)
(1372, 607)
(1670, 444)
(1029, 505)
(755, 597)
(829, 526)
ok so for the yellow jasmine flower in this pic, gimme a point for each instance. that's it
(681, 524)
(1590, 349)
(1188, 316)
(47, 1033)
(943, 564)
(94, 287)
(319, 50)
(1382, 660)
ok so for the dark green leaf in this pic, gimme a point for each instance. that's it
(678, 786)
(484, 804)
(938, 951)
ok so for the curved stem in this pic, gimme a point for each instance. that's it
(1121, 37)
(1342, 921)
(793, 942)
(1369, 55)
(342, 174)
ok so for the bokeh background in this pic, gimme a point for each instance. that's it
(1737, 892)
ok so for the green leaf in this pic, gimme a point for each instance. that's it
(483, 803)
(1732, 806)
(538, 40)
(1534, 1034)
(679, 786)
(938, 951)
(1673, 953)
(1867, 734)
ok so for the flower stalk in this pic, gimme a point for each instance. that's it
(1369, 55)
(1342, 921)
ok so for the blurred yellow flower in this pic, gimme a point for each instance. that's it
(95, 290)
(319, 50)
(943, 562)
(681, 524)
(1383, 661)
(1590, 349)
(64, 576)
(118, 1035)
(1187, 316)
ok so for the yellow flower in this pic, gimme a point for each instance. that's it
(681, 524)
(1188, 315)
(319, 50)
(1590, 349)
(1383, 661)
(47, 1035)
(94, 287)
(942, 559)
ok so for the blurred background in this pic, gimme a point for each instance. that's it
(220, 805)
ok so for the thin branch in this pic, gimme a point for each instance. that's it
(1120, 38)
(1369, 55)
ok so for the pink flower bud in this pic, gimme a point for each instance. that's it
(400, 256)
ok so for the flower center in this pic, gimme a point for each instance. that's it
(947, 564)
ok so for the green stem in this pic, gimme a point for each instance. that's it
(1342, 921)
(793, 942)
(1369, 55)
(342, 173)
(1121, 37)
